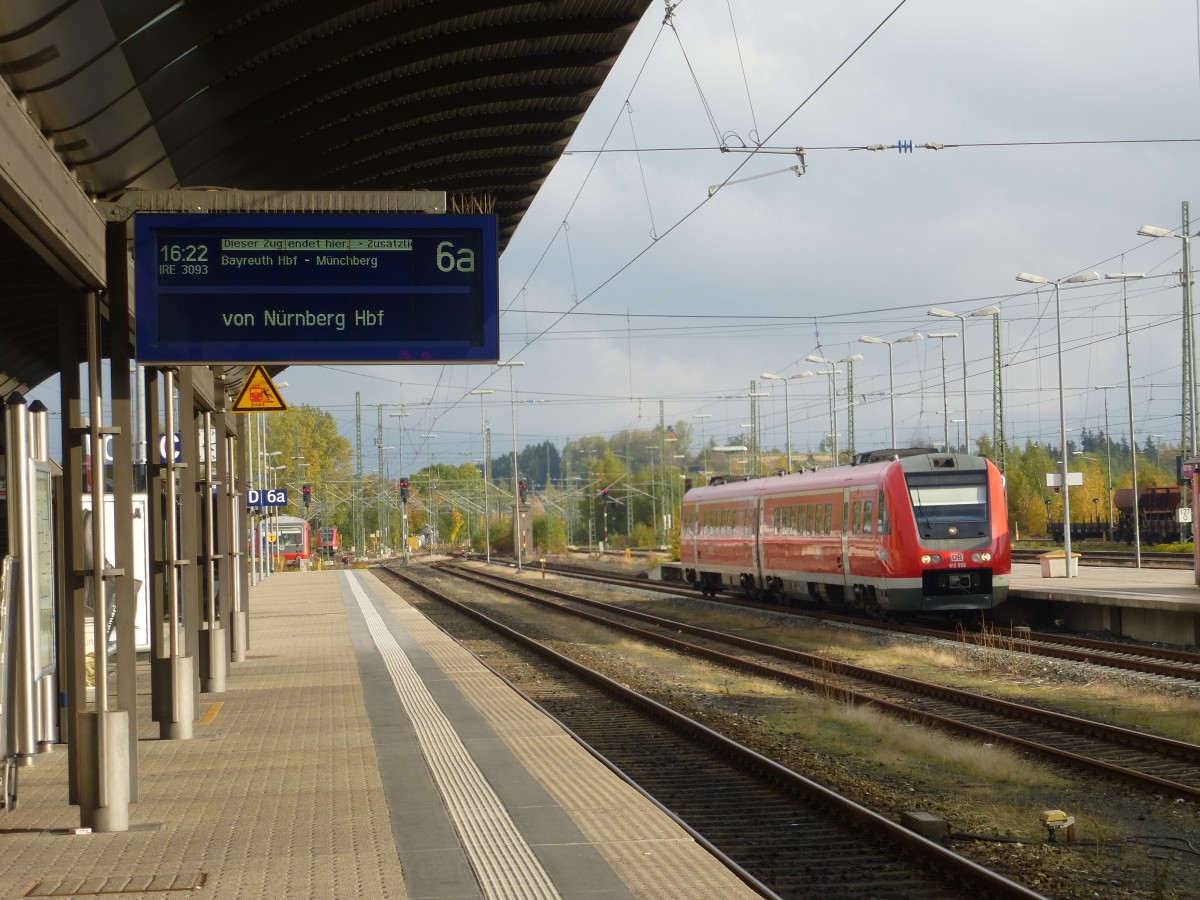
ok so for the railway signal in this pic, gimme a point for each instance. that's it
(404, 490)
(521, 489)
(307, 490)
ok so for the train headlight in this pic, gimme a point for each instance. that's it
(931, 559)
(985, 556)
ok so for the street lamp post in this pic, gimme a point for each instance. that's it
(276, 550)
(1062, 404)
(1124, 278)
(832, 373)
(787, 415)
(908, 338)
(942, 337)
(517, 530)
(946, 314)
(487, 530)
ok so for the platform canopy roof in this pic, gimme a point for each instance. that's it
(476, 98)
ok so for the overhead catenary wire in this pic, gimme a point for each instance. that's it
(531, 334)
(623, 267)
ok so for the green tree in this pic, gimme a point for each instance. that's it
(549, 534)
(306, 442)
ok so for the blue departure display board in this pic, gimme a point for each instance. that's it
(252, 288)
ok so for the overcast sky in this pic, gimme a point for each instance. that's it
(1066, 127)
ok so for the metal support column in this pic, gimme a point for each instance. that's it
(191, 547)
(239, 632)
(72, 584)
(172, 694)
(212, 645)
(120, 314)
(47, 724)
(103, 734)
(20, 704)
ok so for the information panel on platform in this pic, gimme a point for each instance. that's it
(314, 288)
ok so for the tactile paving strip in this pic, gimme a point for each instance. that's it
(502, 860)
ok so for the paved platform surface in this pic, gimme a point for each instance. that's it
(357, 752)
(1168, 589)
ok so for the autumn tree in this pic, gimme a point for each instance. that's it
(306, 442)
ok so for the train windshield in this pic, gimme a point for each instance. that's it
(958, 501)
(291, 540)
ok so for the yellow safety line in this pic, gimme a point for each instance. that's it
(209, 716)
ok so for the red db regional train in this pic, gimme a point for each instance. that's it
(899, 532)
(291, 538)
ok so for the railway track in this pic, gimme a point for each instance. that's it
(1161, 765)
(786, 835)
(1165, 662)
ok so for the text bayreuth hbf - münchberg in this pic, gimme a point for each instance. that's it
(254, 254)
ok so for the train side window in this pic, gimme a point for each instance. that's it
(795, 518)
(828, 518)
(866, 518)
(855, 516)
(818, 519)
(884, 525)
(810, 517)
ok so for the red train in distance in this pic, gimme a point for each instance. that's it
(326, 541)
(899, 532)
(291, 538)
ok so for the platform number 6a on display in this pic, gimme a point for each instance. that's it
(271, 497)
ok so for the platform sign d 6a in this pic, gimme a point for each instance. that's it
(269, 497)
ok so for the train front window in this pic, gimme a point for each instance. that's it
(291, 541)
(949, 507)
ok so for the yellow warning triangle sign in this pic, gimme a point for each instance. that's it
(259, 394)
